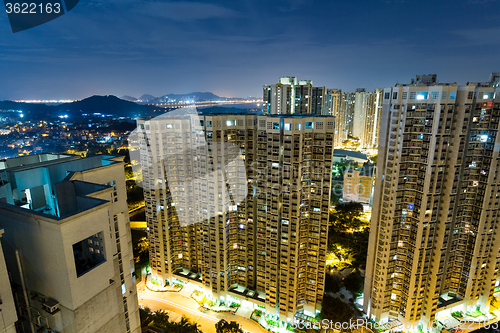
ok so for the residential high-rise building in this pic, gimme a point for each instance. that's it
(359, 114)
(348, 104)
(8, 315)
(434, 243)
(366, 117)
(238, 204)
(335, 107)
(67, 243)
(291, 96)
(318, 101)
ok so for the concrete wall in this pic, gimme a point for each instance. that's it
(8, 315)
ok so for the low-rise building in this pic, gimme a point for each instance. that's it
(358, 184)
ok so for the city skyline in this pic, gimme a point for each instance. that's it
(226, 47)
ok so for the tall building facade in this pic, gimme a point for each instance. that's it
(357, 114)
(268, 247)
(434, 244)
(67, 243)
(335, 107)
(291, 96)
(366, 117)
(8, 313)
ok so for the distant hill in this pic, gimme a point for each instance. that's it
(191, 97)
(95, 104)
(129, 98)
(195, 97)
(147, 98)
(105, 104)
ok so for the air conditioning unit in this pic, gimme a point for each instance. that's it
(51, 306)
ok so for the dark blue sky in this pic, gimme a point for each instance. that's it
(234, 47)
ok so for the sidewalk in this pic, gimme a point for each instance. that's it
(155, 287)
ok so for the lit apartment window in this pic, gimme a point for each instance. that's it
(422, 95)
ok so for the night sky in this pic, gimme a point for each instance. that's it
(232, 48)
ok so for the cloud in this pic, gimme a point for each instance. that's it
(481, 36)
(186, 11)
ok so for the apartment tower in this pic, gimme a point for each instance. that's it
(434, 242)
(238, 204)
(291, 96)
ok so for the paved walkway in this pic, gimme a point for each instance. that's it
(178, 304)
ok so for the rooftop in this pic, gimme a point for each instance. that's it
(349, 153)
(44, 184)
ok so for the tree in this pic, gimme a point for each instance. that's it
(354, 283)
(335, 309)
(223, 326)
(146, 316)
(331, 284)
(346, 216)
(161, 320)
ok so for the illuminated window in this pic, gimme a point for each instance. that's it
(422, 95)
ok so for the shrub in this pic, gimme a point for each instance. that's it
(258, 312)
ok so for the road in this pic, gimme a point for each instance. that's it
(178, 305)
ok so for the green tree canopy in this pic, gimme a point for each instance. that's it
(354, 283)
(346, 216)
(335, 309)
(223, 326)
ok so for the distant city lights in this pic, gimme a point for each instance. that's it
(45, 101)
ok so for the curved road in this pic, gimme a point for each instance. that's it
(178, 305)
